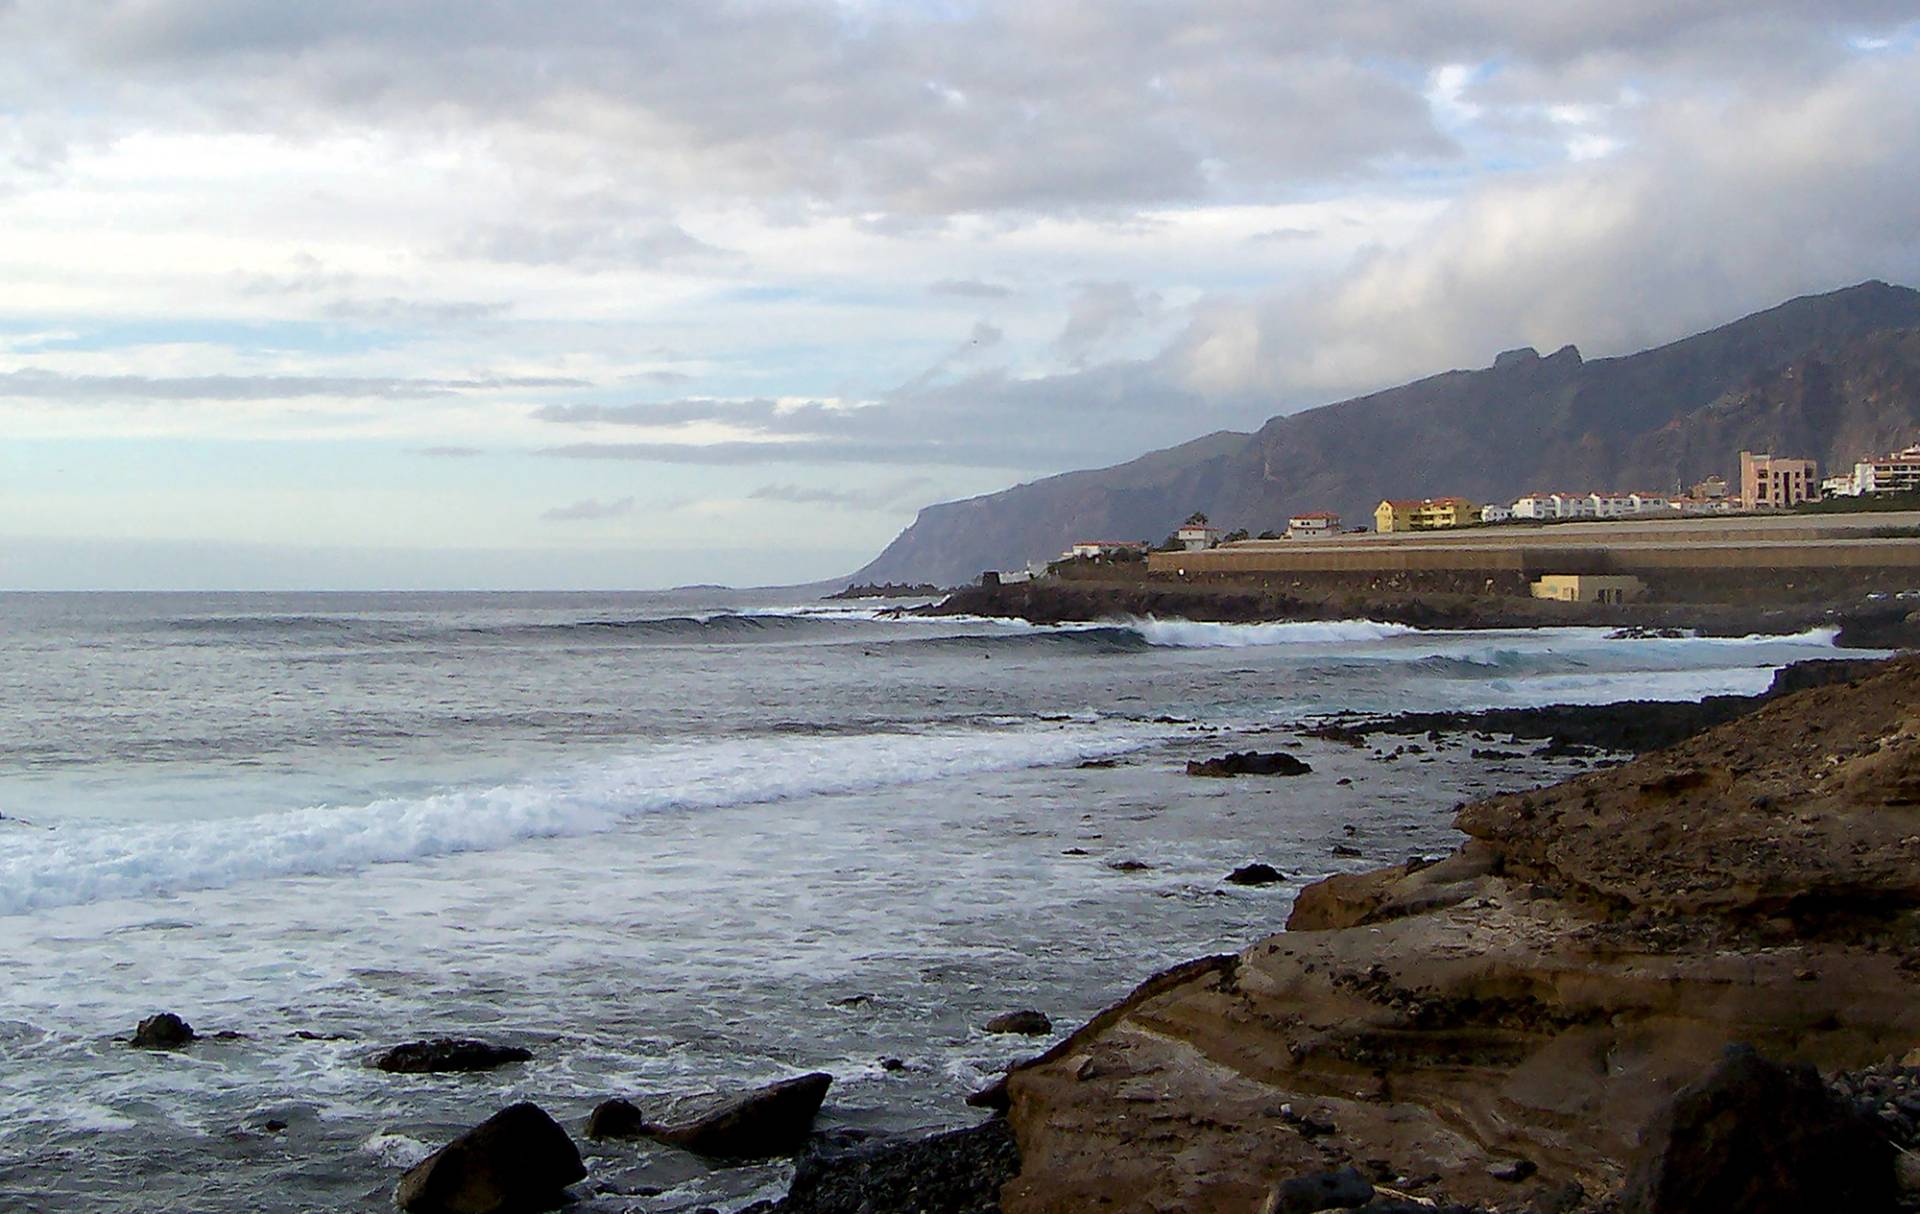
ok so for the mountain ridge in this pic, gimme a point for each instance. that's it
(1831, 375)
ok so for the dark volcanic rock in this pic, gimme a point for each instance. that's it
(1249, 763)
(616, 1119)
(1027, 1023)
(1338, 1189)
(1255, 874)
(773, 1120)
(959, 1172)
(1760, 1138)
(518, 1159)
(448, 1054)
(165, 1031)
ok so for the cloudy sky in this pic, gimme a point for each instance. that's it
(589, 293)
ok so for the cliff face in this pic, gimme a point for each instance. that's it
(1536, 997)
(1833, 376)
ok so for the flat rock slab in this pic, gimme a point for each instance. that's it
(519, 1159)
(1249, 763)
(446, 1054)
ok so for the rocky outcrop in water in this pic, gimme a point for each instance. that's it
(517, 1160)
(165, 1031)
(768, 1121)
(1248, 763)
(1027, 1023)
(444, 1054)
(1497, 1029)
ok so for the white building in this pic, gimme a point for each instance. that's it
(1495, 513)
(1314, 525)
(1535, 505)
(1094, 549)
(1896, 473)
(1651, 503)
(1197, 538)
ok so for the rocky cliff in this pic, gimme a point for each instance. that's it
(1496, 1028)
(1833, 376)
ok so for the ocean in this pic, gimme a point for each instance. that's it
(670, 842)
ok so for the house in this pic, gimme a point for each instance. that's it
(1534, 505)
(1774, 482)
(1197, 537)
(1588, 588)
(1313, 525)
(1424, 514)
(1896, 473)
(1098, 549)
(1651, 503)
(1572, 505)
(1495, 513)
(1611, 505)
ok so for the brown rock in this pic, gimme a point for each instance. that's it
(1760, 1138)
(1026, 1023)
(616, 1119)
(1537, 996)
(769, 1121)
(518, 1159)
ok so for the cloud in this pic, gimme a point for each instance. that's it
(30, 383)
(967, 288)
(589, 510)
(876, 497)
(448, 452)
(1100, 312)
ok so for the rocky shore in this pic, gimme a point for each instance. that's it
(1501, 1029)
(1861, 623)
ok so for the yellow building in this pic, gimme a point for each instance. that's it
(1588, 588)
(1424, 514)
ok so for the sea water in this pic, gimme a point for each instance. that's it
(668, 842)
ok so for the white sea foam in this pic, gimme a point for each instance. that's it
(91, 862)
(1194, 634)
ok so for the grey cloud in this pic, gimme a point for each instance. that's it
(34, 384)
(589, 243)
(589, 510)
(967, 288)
(1100, 311)
(448, 452)
(394, 311)
(1686, 229)
(874, 498)
(1001, 106)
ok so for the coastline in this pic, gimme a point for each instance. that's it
(1860, 623)
(1425, 1024)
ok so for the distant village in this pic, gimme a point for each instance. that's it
(1767, 482)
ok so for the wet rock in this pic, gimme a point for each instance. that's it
(616, 1118)
(1092, 764)
(165, 1031)
(448, 1054)
(1129, 866)
(1345, 852)
(1249, 763)
(1339, 1189)
(993, 1096)
(1026, 1023)
(958, 1172)
(769, 1121)
(518, 1159)
(1512, 1171)
(1761, 1138)
(1255, 874)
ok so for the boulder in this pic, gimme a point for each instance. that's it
(518, 1159)
(1248, 763)
(1336, 1189)
(616, 1119)
(1761, 1138)
(165, 1031)
(769, 1121)
(1255, 874)
(448, 1054)
(1027, 1023)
